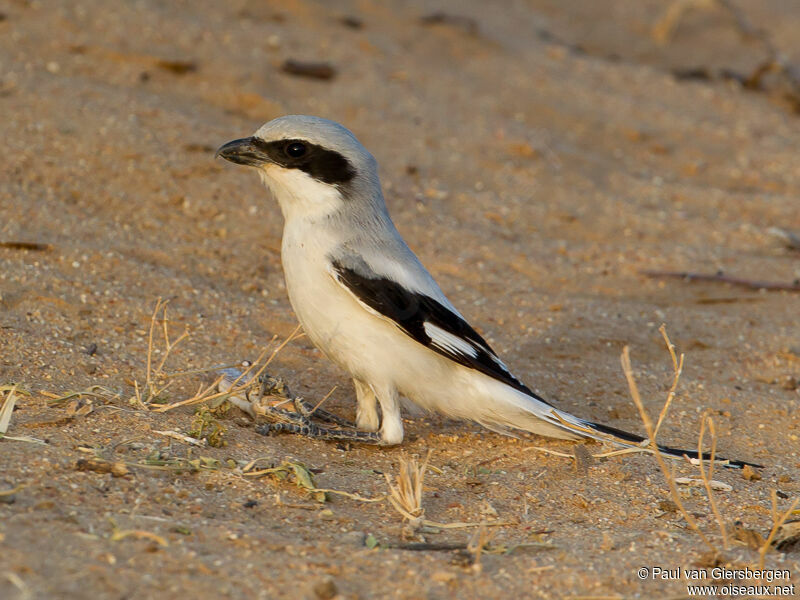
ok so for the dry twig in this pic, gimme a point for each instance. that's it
(152, 388)
(248, 381)
(120, 534)
(708, 475)
(677, 367)
(648, 425)
(477, 544)
(182, 438)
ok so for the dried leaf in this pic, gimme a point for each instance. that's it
(305, 479)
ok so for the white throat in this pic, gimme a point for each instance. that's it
(299, 195)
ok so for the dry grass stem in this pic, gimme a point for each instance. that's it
(777, 522)
(607, 454)
(182, 438)
(621, 452)
(7, 409)
(203, 395)
(157, 381)
(320, 403)
(677, 366)
(137, 397)
(478, 543)
(153, 376)
(16, 489)
(202, 370)
(121, 534)
(16, 581)
(12, 395)
(405, 494)
(168, 346)
(463, 525)
(549, 451)
(303, 476)
(356, 497)
(706, 476)
(150, 346)
(666, 25)
(93, 391)
(648, 425)
(248, 378)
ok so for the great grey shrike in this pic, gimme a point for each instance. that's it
(365, 300)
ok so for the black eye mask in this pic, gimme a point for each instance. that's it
(322, 164)
(327, 166)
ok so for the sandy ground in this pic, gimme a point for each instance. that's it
(537, 165)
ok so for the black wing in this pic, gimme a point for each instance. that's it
(428, 321)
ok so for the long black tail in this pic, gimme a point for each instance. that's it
(626, 438)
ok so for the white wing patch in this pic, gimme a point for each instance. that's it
(447, 341)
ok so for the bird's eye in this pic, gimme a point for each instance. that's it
(296, 149)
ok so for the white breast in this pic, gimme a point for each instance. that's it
(367, 346)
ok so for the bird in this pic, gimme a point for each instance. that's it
(368, 304)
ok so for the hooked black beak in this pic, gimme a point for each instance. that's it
(246, 151)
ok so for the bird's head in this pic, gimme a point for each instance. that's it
(311, 165)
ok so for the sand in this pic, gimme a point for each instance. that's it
(538, 156)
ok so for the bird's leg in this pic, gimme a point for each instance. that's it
(391, 431)
(367, 408)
